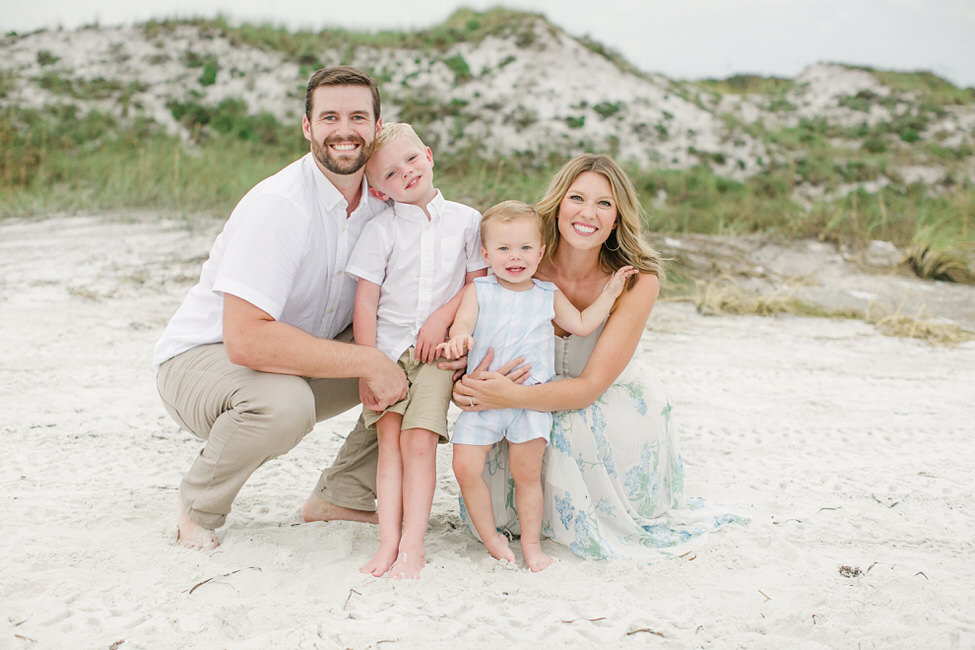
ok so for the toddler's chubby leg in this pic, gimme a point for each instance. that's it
(419, 451)
(526, 470)
(469, 469)
(389, 495)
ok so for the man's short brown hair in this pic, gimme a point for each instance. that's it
(342, 75)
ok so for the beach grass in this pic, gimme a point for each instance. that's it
(60, 161)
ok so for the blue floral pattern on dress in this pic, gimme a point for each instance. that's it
(613, 478)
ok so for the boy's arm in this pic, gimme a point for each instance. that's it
(364, 329)
(434, 330)
(465, 320)
(585, 322)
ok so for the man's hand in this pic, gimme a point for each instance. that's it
(383, 385)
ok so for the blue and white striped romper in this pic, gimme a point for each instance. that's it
(513, 324)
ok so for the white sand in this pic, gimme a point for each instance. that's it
(847, 448)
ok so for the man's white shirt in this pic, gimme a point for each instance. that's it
(284, 249)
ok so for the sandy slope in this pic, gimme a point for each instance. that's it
(847, 448)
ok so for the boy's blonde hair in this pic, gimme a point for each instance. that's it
(508, 211)
(390, 132)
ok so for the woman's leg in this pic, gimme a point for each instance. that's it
(469, 470)
(526, 470)
(389, 495)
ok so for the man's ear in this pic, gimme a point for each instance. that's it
(306, 127)
(379, 125)
(377, 194)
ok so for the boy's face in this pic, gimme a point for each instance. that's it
(403, 171)
(342, 128)
(513, 249)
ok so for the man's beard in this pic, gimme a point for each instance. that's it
(323, 154)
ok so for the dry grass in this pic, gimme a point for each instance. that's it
(918, 326)
(724, 296)
(932, 264)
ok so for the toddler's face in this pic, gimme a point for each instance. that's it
(403, 171)
(513, 249)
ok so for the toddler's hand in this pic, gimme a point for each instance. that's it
(616, 283)
(456, 347)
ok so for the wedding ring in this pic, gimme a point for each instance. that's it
(472, 402)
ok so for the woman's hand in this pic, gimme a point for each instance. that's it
(482, 389)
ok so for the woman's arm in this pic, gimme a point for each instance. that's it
(614, 349)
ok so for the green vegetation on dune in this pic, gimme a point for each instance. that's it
(813, 182)
(57, 160)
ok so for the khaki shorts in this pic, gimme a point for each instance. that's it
(427, 397)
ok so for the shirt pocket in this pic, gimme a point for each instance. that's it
(452, 254)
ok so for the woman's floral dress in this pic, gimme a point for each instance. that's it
(612, 475)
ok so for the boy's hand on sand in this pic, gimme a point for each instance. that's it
(616, 283)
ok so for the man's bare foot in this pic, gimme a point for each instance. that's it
(535, 559)
(318, 509)
(380, 562)
(498, 548)
(190, 534)
(408, 565)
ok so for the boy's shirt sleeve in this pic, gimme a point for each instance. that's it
(371, 253)
(475, 261)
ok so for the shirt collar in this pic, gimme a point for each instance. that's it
(331, 198)
(435, 208)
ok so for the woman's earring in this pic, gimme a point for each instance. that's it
(613, 250)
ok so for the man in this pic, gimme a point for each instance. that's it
(261, 347)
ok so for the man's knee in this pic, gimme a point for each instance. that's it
(281, 405)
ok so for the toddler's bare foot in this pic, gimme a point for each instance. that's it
(318, 509)
(190, 534)
(408, 565)
(535, 559)
(498, 548)
(380, 562)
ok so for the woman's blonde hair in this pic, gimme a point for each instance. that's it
(625, 245)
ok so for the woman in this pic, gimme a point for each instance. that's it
(613, 466)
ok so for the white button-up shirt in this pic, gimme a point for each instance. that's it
(420, 265)
(284, 250)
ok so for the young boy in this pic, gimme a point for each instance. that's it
(512, 313)
(412, 261)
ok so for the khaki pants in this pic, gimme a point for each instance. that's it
(248, 417)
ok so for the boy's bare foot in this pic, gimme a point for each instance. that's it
(535, 559)
(380, 562)
(190, 534)
(318, 509)
(408, 565)
(498, 548)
